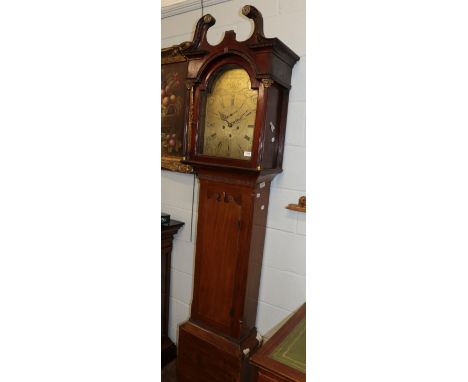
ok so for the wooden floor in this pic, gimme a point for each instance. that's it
(168, 374)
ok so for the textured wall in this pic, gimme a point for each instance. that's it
(283, 285)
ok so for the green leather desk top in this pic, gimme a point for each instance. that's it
(292, 350)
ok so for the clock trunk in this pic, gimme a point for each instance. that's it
(230, 239)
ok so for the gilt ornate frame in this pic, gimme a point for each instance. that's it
(174, 108)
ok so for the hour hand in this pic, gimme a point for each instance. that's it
(224, 119)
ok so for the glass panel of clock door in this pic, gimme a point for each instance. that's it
(218, 253)
(228, 120)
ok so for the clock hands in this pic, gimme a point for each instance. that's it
(224, 117)
(245, 114)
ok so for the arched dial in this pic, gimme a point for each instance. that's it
(229, 117)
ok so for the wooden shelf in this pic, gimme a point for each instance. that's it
(299, 207)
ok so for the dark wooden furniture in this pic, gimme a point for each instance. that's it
(282, 358)
(168, 349)
(220, 336)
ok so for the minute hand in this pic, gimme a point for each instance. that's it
(245, 114)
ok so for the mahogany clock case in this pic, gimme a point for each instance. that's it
(220, 336)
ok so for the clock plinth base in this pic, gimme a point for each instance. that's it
(205, 356)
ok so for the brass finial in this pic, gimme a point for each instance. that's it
(267, 82)
(246, 10)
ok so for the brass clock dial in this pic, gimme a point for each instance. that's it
(229, 116)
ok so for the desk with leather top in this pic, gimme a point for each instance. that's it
(283, 357)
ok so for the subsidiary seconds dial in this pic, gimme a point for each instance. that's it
(229, 116)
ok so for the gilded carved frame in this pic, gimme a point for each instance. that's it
(174, 108)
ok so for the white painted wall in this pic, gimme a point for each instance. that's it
(283, 284)
(166, 3)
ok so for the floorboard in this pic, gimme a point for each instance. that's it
(168, 374)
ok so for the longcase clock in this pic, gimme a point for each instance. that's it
(238, 92)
